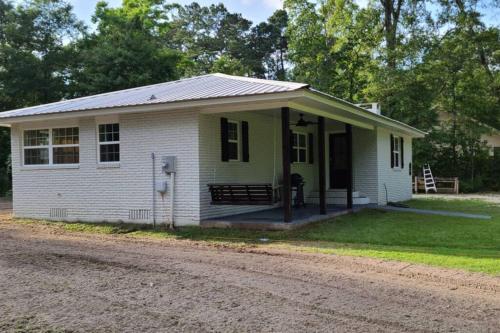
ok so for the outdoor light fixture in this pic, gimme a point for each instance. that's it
(303, 123)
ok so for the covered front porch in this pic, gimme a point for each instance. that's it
(267, 149)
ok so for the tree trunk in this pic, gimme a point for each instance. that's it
(392, 11)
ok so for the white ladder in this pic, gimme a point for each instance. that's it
(429, 179)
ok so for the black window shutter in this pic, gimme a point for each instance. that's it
(292, 157)
(310, 148)
(224, 140)
(244, 141)
(392, 151)
(402, 145)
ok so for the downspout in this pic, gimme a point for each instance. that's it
(172, 191)
(153, 210)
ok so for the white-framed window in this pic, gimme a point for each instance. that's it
(109, 142)
(51, 146)
(396, 152)
(233, 139)
(299, 147)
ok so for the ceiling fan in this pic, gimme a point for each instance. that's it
(303, 123)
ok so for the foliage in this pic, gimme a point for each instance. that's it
(432, 64)
(436, 70)
(126, 50)
(35, 58)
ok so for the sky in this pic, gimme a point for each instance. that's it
(254, 10)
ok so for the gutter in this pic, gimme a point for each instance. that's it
(350, 107)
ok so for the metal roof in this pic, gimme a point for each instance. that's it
(196, 88)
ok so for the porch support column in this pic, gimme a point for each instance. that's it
(348, 131)
(322, 167)
(287, 180)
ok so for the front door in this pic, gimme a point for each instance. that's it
(338, 161)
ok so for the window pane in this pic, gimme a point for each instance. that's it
(36, 156)
(109, 133)
(294, 155)
(233, 151)
(232, 131)
(294, 140)
(65, 136)
(66, 155)
(36, 137)
(110, 153)
(302, 140)
(302, 155)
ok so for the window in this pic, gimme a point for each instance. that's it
(299, 148)
(109, 143)
(65, 143)
(36, 147)
(51, 146)
(396, 151)
(233, 140)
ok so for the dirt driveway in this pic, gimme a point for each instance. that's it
(56, 281)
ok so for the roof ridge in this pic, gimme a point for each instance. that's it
(263, 81)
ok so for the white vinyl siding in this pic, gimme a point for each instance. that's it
(394, 184)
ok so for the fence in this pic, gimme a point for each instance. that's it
(443, 185)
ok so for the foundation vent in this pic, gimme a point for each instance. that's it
(139, 214)
(58, 213)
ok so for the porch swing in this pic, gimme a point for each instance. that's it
(257, 194)
(247, 194)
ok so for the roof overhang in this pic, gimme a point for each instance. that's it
(335, 108)
(305, 100)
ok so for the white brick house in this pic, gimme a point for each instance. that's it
(91, 158)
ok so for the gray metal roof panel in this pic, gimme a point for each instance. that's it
(201, 87)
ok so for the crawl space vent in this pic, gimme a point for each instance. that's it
(58, 213)
(139, 214)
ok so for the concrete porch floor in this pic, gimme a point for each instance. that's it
(272, 219)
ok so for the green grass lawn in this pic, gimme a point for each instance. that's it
(469, 244)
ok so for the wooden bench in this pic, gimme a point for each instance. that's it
(443, 185)
(241, 194)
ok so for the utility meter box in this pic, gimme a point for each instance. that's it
(168, 164)
(161, 186)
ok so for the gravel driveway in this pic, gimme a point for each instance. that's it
(56, 281)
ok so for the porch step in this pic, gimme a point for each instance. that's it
(338, 197)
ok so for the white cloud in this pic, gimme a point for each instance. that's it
(274, 4)
(362, 3)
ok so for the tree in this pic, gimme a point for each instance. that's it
(332, 46)
(205, 34)
(35, 57)
(268, 47)
(127, 50)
